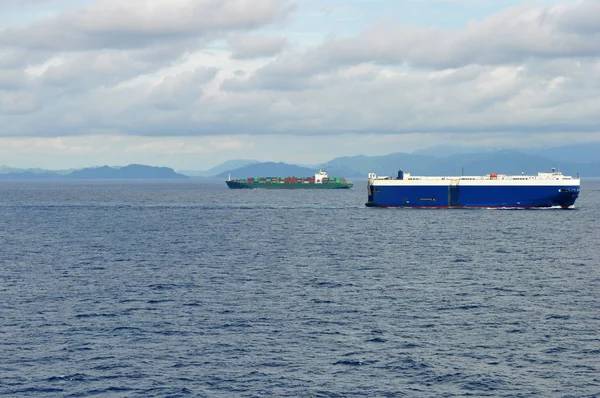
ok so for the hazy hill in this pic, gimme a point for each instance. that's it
(31, 171)
(500, 161)
(571, 159)
(267, 169)
(223, 167)
(339, 171)
(435, 160)
(510, 162)
(28, 175)
(443, 151)
(579, 153)
(7, 169)
(133, 171)
(383, 165)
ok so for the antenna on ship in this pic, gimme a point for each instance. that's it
(229, 178)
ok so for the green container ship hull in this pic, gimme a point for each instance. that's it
(273, 185)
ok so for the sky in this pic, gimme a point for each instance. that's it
(190, 84)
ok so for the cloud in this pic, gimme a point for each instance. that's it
(181, 90)
(209, 68)
(11, 58)
(18, 103)
(359, 99)
(85, 70)
(11, 79)
(252, 46)
(530, 97)
(63, 64)
(582, 19)
(120, 24)
(512, 36)
(523, 69)
(22, 2)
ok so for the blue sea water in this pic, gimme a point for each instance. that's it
(177, 289)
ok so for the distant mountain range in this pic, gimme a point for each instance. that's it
(267, 169)
(502, 162)
(130, 172)
(582, 159)
(580, 153)
(572, 160)
(223, 167)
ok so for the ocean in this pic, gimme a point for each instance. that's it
(190, 289)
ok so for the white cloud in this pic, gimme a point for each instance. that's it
(252, 46)
(141, 23)
(11, 79)
(180, 90)
(514, 35)
(18, 103)
(201, 69)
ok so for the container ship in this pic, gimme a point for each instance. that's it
(547, 189)
(319, 181)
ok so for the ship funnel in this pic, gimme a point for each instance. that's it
(400, 174)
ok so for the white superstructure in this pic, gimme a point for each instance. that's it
(320, 176)
(554, 177)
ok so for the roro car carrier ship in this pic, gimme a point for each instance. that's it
(548, 189)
